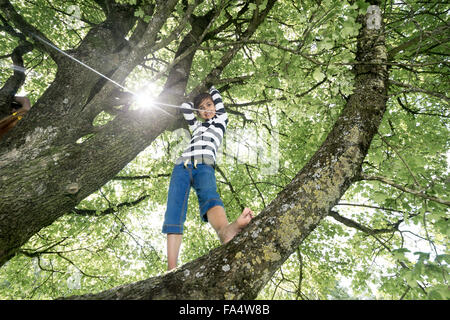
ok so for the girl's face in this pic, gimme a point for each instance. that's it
(207, 109)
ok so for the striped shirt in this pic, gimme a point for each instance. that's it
(206, 136)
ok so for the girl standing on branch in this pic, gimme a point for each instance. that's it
(196, 168)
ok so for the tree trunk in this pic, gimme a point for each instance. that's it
(240, 269)
(44, 169)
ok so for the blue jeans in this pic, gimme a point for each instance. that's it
(203, 180)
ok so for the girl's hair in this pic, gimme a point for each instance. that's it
(199, 98)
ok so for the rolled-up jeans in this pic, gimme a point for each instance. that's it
(203, 179)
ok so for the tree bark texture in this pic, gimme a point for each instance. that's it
(240, 269)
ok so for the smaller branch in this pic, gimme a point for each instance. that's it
(27, 29)
(416, 89)
(81, 271)
(111, 210)
(269, 43)
(368, 206)
(214, 74)
(141, 177)
(417, 112)
(38, 252)
(300, 274)
(64, 13)
(228, 183)
(405, 189)
(186, 53)
(405, 293)
(355, 225)
(403, 160)
(256, 187)
(148, 37)
(181, 26)
(416, 40)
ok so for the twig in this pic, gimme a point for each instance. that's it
(353, 224)
(416, 89)
(405, 189)
(403, 160)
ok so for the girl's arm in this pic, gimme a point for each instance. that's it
(218, 102)
(188, 114)
(24, 102)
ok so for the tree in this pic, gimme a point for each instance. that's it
(82, 131)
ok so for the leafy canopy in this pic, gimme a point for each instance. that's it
(292, 79)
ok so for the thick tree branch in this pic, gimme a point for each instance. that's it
(424, 36)
(12, 85)
(162, 12)
(27, 29)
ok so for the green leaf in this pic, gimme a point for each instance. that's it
(411, 279)
(443, 257)
(318, 75)
(350, 28)
(422, 255)
(275, 82)
(363, 5)
(379, 196)
(139, 13)
(399, 254)
(440, 292)
(326, 44)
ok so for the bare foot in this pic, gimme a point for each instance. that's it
(235, 227)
